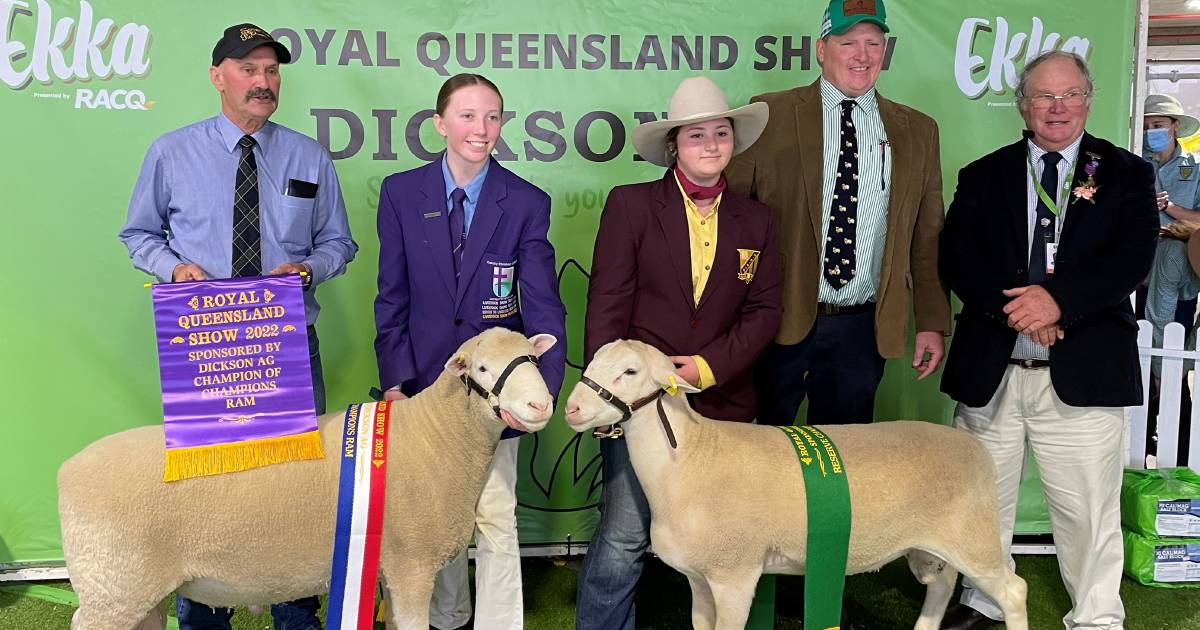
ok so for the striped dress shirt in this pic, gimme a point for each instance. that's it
(1026, 347)
(874, 191)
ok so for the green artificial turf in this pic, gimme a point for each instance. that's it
(887, 600)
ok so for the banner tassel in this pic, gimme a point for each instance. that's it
(200, 461)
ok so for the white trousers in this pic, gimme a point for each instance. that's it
(498, 597)
(1078, 452)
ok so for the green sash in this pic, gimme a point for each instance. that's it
(827, 496)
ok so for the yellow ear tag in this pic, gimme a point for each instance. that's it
(673, 388)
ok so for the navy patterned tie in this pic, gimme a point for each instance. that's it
(1043, 228)
(247, 238)
(458, 231)
(843, 209)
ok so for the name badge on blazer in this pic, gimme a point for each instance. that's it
(301, 189)
(747, 264)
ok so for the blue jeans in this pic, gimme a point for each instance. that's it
(300, 614)
(837, 366)
(318, 374)
(615, 555)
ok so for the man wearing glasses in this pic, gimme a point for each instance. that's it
(1044, 242)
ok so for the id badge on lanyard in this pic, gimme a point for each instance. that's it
(1055, 233)
(1053, 236)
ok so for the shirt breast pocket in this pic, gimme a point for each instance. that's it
(497, 277)
(294, 223)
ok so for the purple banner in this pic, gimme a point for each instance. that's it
(233, 357)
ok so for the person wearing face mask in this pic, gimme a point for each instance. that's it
(463, 247)
(1177, 183)
(691, 268)
(1175, 176)
(1171, 291)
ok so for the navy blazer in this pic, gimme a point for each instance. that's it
(1106, 248)
(507, 277)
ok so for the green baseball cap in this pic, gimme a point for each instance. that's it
(843, 14)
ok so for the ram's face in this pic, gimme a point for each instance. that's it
(630, 370)
(524, 401)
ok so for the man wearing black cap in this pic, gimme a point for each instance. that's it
(237, 195)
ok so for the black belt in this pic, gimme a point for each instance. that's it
(1030, 364)
(832, 309)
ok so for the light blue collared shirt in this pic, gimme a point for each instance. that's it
(1171, 281)
(182, 205)
(1180, 177)
(472, 189)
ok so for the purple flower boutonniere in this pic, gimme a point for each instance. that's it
(1088, 189)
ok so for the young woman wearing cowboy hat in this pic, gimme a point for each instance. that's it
(692, 269)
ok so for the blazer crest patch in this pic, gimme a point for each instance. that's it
(747, 264)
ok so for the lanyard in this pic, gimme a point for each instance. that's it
(1066, 187)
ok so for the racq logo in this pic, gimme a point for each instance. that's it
(73, 48)
(976, 75)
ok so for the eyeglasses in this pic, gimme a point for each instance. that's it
(1072, 99)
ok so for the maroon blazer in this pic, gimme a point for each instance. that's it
(641, 288)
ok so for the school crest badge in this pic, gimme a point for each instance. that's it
(502, 281)
(747, 264)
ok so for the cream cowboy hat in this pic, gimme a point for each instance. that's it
(698, 99)
(1163, 105)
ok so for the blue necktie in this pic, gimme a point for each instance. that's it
(458, 230)
(1043, 227)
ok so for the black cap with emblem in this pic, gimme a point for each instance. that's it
(239, 39)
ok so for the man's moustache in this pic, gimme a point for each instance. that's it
(257, 93)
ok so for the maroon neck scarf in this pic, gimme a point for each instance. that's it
(696, 191)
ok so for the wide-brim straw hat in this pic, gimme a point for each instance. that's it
(1164, 105)
(696, 100)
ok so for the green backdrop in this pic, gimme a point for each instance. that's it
(88, 85)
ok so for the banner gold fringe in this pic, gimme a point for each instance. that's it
(199, 461)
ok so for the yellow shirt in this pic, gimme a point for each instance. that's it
(702, 236)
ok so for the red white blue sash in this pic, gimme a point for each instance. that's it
(361, 489)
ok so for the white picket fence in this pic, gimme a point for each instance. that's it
(1173, 354)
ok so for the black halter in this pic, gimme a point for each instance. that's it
(493, 396)
(627, 409)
